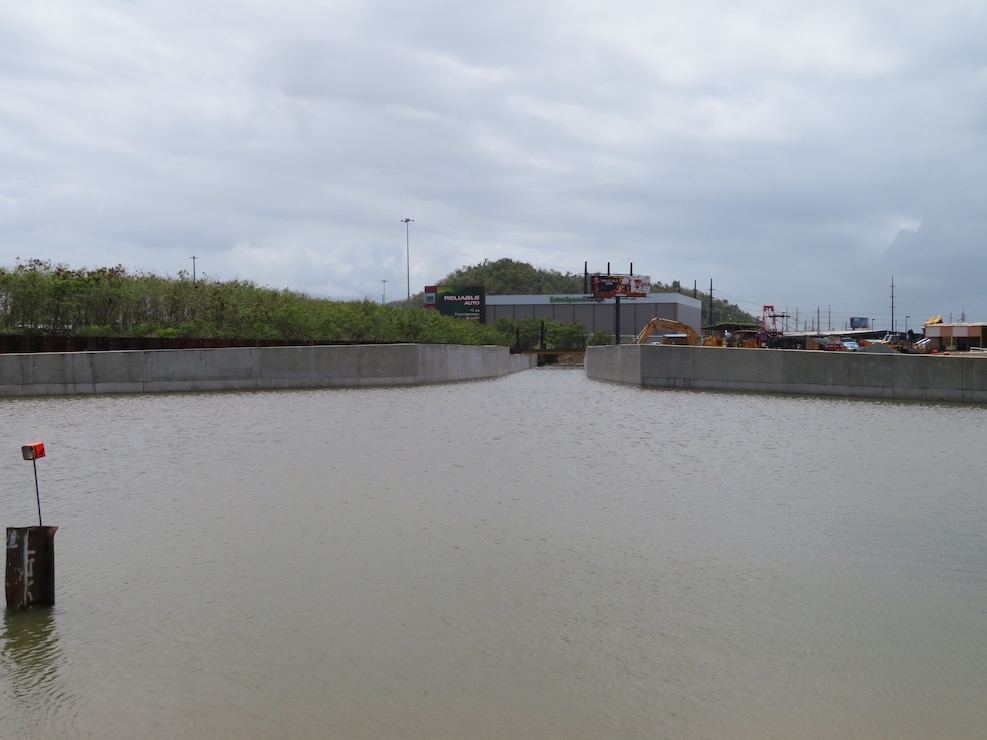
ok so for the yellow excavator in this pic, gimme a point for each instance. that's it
(675, 327)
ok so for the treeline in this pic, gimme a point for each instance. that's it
(510, 277)
(41, 299)
(530, 332)
(37, 297)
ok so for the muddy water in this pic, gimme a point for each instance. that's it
(538, 556)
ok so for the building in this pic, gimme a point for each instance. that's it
(953, 337)
(598, 314)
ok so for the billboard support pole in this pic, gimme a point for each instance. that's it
(616, 317)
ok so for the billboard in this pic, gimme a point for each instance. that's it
(461, 301)
(609, 286)
(859, 322)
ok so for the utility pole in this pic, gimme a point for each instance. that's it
(383, 292)
(194, 258)
(893, 327)
(407, 251)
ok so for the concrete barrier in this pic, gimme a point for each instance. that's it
(957, 378)
(251, 368)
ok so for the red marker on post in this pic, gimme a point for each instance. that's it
(30, 576)
(32, 452)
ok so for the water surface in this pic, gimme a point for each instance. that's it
(538, 556)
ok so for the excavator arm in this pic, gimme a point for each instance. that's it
(671, 325)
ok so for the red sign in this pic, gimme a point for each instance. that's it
(33, 451)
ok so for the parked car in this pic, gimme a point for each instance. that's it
(851, 345)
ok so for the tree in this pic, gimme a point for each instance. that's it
(510, 277)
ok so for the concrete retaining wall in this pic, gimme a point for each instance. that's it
(959, 378)
(251, 368)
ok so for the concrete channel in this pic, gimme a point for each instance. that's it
(952, 378)
(250, 368)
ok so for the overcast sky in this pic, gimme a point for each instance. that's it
(800, 154)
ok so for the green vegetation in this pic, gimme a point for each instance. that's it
(600, 338)
(509, 277)
(37, 297)
(527, 333)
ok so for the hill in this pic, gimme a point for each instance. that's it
(510, 277)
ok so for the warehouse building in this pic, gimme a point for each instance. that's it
(598, 313)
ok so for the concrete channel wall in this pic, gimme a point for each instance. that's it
(251, 368)
(955, 378)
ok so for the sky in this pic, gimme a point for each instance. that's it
(825, 158)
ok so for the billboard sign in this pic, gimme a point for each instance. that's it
(624, 286)
(859, 322)
(461, 301)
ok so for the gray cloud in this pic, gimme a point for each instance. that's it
(793, 154)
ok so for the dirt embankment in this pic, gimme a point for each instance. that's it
(573, 359)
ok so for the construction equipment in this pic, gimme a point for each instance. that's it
(730, 334)
(910, 343)
(683, 333)
(770, 335)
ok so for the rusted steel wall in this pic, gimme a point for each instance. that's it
(30, 579)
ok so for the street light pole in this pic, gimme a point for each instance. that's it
(194, 258)
(407, 250)
(383, 292)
